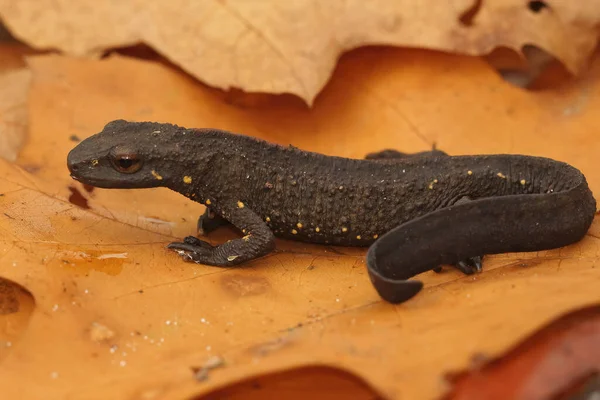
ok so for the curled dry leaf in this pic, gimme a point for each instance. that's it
(293, 46)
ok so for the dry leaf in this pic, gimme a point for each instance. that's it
(118, 316)
(293, 46)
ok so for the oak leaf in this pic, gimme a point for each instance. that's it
(293, 46)
(108, 312)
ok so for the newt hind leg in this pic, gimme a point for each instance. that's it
(468, 266)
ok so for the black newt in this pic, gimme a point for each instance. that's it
(415, 211)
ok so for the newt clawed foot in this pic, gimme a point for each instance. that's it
(468, 266)
(193, 249)
(198, 251)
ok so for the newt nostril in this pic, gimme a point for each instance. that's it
(73, 167)
(72, 163)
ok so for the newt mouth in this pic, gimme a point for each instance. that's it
(101, 183)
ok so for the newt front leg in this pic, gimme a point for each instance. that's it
(259, 241)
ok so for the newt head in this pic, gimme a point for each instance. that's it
(126, 155)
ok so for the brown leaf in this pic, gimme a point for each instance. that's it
(106, 265)
(293, 46)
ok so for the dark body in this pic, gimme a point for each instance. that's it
(420, 211)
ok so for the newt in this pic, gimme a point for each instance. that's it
(414, 212)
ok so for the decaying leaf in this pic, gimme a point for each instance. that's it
(293, 46)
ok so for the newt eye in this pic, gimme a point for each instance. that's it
(126, 163)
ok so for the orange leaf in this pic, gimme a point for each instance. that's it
(116, 315)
